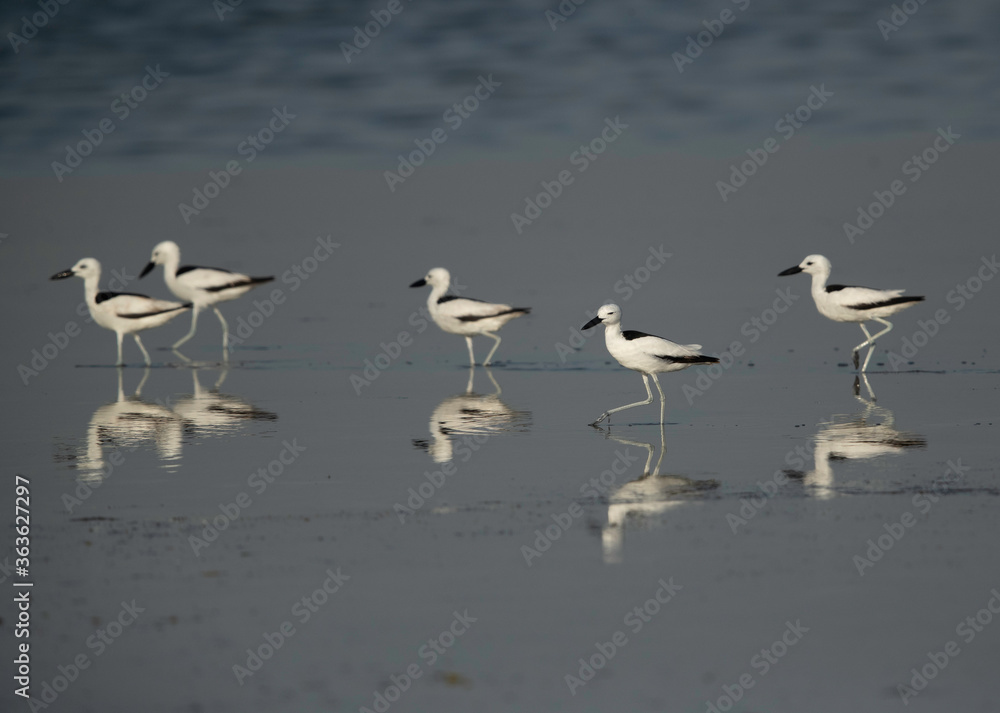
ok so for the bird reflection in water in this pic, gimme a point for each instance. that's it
(124, 425)
(865, 435)
(129, 422)
(643, 500)
(212, 413)
(475, 416)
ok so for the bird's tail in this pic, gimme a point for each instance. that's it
(153, 313)
(516, 311)
(249, 282)
(696, 359)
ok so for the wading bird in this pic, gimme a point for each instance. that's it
(202, 286)
(122, 312)
(645, 353)
(844, 303)
(465, 316)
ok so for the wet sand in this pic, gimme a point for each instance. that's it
(772, 483)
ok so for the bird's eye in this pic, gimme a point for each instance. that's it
(809, 263)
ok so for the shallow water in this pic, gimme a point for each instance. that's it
(122, 481)
(812, 537)
(753, 538)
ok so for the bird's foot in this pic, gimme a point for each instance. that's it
(603, 416)
(857, 359)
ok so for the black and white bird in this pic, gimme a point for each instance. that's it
(202, 286)
(645, 353)
(844, 303)
(122, 312)
(465, 316)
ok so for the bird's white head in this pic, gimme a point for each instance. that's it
(607, 314)
(813, 265)
(163, 253)
(86, 268)
(436, 277)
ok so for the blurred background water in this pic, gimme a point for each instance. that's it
(559, 78)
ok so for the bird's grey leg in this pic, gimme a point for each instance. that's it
(194, 327)
(489, 356)
(865, 343)
(649, 400)
(663, 401)
(135, 336)
(888, 326)
(120, 362)
(225, 334)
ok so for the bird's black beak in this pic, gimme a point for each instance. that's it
(592, 323)
(62, 275)
(146, 270)
(790, 271)
(419, 283)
